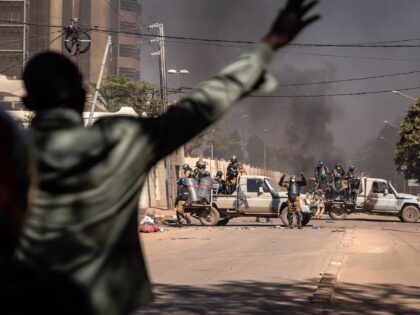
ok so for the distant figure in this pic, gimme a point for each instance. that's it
(188, 172)
(200, 170)
(181, 199)
(321, 171)
(293, 199)
(232, 173)
(90, 179)
(25, 289)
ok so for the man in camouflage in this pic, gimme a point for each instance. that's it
(293, 198)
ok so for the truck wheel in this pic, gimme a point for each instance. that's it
(209, 217)
(410, 214)
(337, 213)
(306, 218)
(283, 217)
(223, 221)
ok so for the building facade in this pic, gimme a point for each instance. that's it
(30, 26)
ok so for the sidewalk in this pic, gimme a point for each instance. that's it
(380, 274)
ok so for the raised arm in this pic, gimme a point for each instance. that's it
(213, 97)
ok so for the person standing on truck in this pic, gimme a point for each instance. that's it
(352, 184)
(221, 189)
(293, 198)
(232, 174)
(188, 172)
(200, 170)
(321, 170)
(338, 170)
(180, 202)
(338, 188)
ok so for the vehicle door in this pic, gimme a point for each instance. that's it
(257, 197)
(380, 197)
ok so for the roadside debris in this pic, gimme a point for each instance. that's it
(147, 225)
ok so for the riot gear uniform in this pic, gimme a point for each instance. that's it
(338, 188)
(232, 174)
(353, 184)
(321, 170)
(188, 172)
(221, 182)
(293, 198)
(181, 199)
(200, 170)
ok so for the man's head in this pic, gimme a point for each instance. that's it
(293, 179)
(14, 184)
(52, 80)
(185, 167)
(321, 163)
(234, 159)
(338, 166)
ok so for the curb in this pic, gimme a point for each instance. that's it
(325, 291)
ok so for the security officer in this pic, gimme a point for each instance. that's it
(320, 170)
(200, 170)
(232, 174)
(293, 198)
(181, 199)
(338, 187)
(338, 170)
(188, 172)
(221, 182)
(353, 184)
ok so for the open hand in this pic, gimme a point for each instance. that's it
(290, 22)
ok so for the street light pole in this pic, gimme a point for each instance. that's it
(174, 71)
(405, 95)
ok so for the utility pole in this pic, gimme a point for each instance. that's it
(164, 99)
(98, 84)
(75, 23)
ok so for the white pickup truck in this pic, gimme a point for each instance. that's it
(380, 197)
(255, 196)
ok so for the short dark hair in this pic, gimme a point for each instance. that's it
(53, 80)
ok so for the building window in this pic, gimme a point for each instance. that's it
(129, 73)
(128, 26)
(131, 51)
(131, 5)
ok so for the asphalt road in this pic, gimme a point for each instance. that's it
(258, 268)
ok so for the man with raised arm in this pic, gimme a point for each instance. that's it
(83, 221)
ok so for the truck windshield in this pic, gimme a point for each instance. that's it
(273, 186)
(392, 189)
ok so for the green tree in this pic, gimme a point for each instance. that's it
(407, 155)
(142, 96)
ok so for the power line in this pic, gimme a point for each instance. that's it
(221, 41)
(320, 95)
(352, 79)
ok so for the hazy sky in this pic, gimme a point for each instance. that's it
(352, 119)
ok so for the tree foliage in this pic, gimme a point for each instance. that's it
(142, 96)
(407, 155)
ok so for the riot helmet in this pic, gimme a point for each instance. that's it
(338, 165)
(352, 168)
(219, 174)
(182, 181)
(337, 176)
(321, 163)
(234, 159)
(185, 167)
